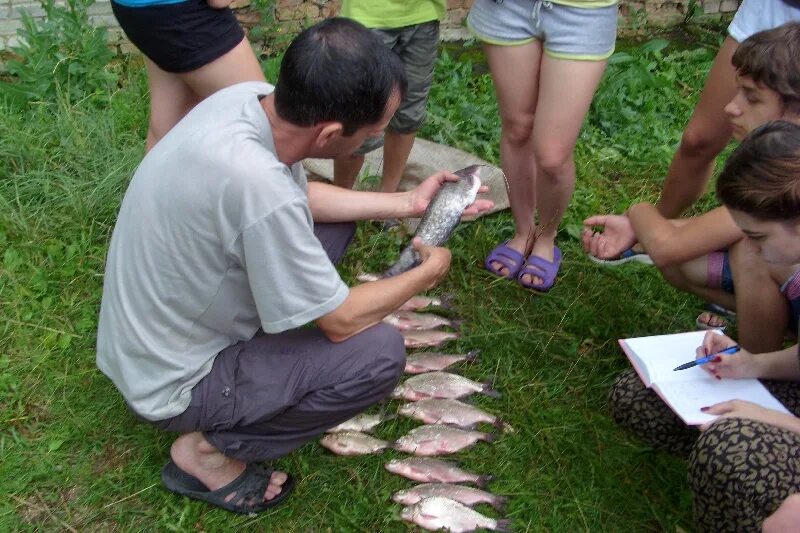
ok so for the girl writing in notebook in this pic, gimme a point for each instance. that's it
(746, 464)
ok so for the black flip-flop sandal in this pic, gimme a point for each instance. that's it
(248, 488)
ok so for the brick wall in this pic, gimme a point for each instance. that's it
(294, 13)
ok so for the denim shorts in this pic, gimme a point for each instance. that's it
(754, 16)
(720, 275)
(566, 32)
(418, 47)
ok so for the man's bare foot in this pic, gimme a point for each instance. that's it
(193, 454)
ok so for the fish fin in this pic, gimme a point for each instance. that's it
(482, 481)
(447, 300)
(411, 368)
(499, 503)
(503, 525)
(472, 356)
(489, 390)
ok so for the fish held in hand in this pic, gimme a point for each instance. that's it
(411, 321)
(436, 513)
(441, 217)
(419, 363)
(438, 439)
(441, 385)
(361, 423)
(432, 338)
(450, 412)
(430, 470)
(415, 303)
(469, 496)
(353, 443)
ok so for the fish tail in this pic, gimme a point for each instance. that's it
(489, 390)
(499, 424)
(499, 503)
(472, 356)
(489, 437)
(503, 524)
(482, 481)
(447, 300)
(456, 323)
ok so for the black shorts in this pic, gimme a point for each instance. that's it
(180, 37)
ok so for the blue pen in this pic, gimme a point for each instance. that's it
(707, 359)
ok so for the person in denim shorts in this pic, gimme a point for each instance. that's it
(411, 30)
(546, 60)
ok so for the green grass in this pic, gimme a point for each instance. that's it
(73, 458)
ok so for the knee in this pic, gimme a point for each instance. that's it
(674, 276)
(718, 457)
(517, 131)
(555, 162)
(387, 352)
(622, 397)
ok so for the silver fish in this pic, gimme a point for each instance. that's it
(411, 321)
(440, 385)
(362, 422)
(438, 513)
(441, 217)
(430, 470)
(467, 495)
(422, 362)
(451, 412)
(415, 303)
(422, 339)
(353, 443)
(438, 439)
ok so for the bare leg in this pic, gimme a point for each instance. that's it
(560, 112)
(194, 455)
(173, 95)
(515, 71)
(396, 149)
(346, 169)
(692, 276)
(762, 311)
(706, 134)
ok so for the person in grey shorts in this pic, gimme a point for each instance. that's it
(546, 60)
(411, 30)
(222, 251)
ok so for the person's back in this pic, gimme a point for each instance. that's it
(176, 290)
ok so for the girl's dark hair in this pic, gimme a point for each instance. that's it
(772, 58)
(762, 176)
(337, 70)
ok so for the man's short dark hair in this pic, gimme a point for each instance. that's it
(340, 71)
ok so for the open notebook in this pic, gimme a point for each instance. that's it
(686, 391)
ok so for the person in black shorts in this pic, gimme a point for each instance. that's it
(192, 48)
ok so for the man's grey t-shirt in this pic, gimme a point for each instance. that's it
(214, 239)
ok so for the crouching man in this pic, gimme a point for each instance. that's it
(222, 250)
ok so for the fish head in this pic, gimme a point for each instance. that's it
(408, 513)
(403, 497)
(394, 466)
(470, 182)
(399, 391)
(407, 409)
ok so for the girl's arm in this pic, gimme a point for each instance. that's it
(670, 242)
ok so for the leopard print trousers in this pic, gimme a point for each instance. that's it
(740, 471)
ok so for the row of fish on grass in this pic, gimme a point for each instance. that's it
(434, 397)
(439, 502)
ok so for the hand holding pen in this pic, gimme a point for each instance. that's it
(732, 363)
